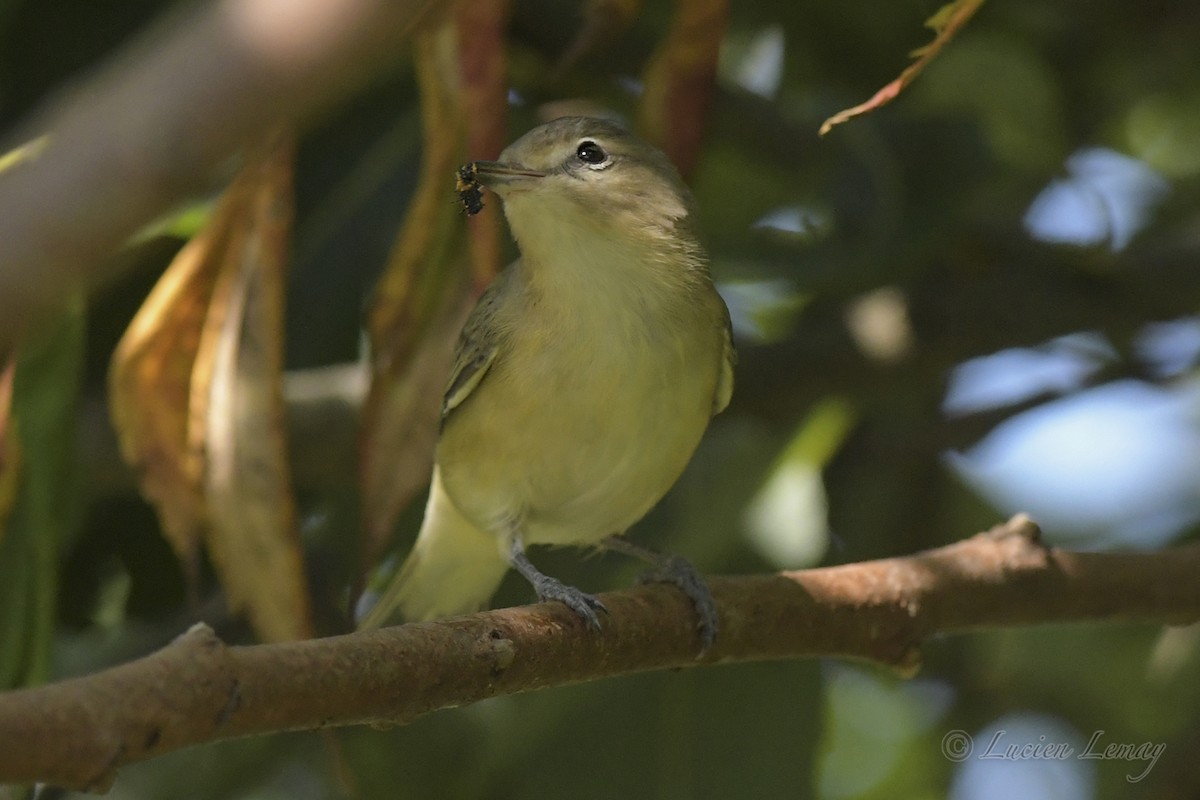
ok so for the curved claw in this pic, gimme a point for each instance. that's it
(583, 604)
(680, 573)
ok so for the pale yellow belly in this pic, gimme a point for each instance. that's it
(564, 452)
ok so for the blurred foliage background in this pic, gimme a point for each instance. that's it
(979, 300)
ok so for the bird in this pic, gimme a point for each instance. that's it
(583, 379)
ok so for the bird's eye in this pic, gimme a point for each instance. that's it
(590, 153)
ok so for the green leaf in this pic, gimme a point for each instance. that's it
(45, 396)
(26, 152)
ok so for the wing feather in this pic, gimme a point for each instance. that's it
(725, 379)
(475, 352)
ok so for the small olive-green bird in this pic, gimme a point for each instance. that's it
(583, 379)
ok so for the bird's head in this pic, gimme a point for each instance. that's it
(583, 176)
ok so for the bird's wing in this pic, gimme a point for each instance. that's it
(728, 360)
(477, 347)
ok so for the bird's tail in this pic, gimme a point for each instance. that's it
(454, 568)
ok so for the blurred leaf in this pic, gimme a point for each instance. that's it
(291, 766)
(45, 391)
(1163, 129)
(667, 735)
(10, 452)
(705, 505)
(603, 21)
(196, 397)
(182, 223)
(150, 388)
(948, 20)
(742, 731)
(754, 61)
(7, 9)
(1011, 89)
(481, 53)
(787, 520)
(252, 534)
(425, 293)
(873, 712)
(26, 152)
(680, 78)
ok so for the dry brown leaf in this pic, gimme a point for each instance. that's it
(427, 288)
(680, 78)
(237, 401)
(948, 20)
(484, 91)
(400, 426)
(149, 384)
(196, 396)
(10, 454)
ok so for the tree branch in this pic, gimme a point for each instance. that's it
(162, 122)
(77, 733)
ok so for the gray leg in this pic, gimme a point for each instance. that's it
(679, 572)
(547, 588)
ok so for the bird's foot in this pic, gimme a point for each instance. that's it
(679, 572)
(583, 604)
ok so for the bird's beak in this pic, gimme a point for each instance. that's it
(494, 174)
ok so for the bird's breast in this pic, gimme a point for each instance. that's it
(585, 420)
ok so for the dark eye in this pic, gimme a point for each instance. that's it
(591, 153)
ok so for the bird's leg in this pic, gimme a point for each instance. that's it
(547, 588)
(679, 572)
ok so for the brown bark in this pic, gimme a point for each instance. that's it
(78, 732)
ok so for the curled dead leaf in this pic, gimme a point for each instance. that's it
(196, 398)
(680, 79)
(149, 384)
(252, 534)
(435, 269)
